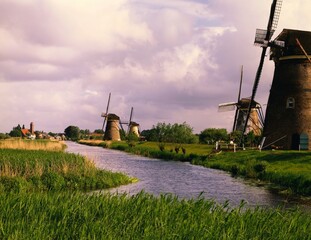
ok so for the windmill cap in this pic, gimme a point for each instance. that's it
(112, 116)
(290, 36)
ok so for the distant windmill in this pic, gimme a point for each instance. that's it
(112, 122)
(132, 127)
(255, 120)
(262, 39)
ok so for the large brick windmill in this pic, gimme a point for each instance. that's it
(288, 114)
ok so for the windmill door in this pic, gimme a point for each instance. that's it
(295, 141)
(304, 141)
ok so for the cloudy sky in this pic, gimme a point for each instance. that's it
(174, 61)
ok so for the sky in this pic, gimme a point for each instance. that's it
(173, 61)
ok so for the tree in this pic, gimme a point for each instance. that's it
(99, 131)
(4, 136)
(16, 132)
(176, 133)
(211, 135)
(72, 132)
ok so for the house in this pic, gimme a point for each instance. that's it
(28, 133)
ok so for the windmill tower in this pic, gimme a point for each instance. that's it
(262, 39)
(133, 127)
(288, 114)
(112, 122)
(255, 120)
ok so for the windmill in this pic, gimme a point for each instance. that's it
(111, 124)
(255, 121)
(132, 127)
(288, 114)
(262, 39)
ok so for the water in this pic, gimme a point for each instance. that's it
(178, 178)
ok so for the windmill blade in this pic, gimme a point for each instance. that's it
(105, 115)
(272, 23)
(275, 12)
(239, 97)
(240, 88)
(226, 107)
(130, 121)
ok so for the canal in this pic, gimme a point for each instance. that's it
(178, 178)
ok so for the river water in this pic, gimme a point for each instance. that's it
(178, 178)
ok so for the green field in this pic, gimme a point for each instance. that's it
(63, 215)
(43, 196)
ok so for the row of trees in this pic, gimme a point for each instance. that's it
(161, 132)
(183, 133)
(176, 133)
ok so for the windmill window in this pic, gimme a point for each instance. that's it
(290, 102)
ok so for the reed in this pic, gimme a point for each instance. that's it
(78, 216)
(17, 143)
(33, 170)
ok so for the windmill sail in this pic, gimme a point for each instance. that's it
(272, 24)
(105, 115)
(226, 107)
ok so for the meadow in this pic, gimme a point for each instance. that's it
(47, 194)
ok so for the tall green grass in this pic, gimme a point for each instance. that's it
(32, 170)
(78, 216)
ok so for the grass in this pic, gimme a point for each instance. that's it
(34, 205)
(290, 171)
(79, 216)
(51, 169)
(27, 144)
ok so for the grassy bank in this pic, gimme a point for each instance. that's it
(289, 172)
(50, 169)
(34, 205)
(171, 151)
(78, 216)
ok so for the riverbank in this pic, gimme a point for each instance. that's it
(56, 213)
(286, 172)
(23, 169)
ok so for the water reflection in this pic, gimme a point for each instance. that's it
(182, 179)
